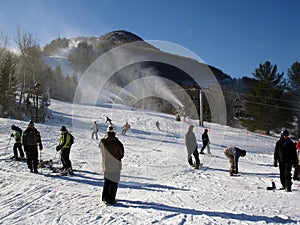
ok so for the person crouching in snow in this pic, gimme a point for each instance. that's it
(233, 154)
(192, 147)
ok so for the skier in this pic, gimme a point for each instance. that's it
(31, 141)
(66, 141)
(17, 135)
(233, 154)
(94, 128)
(108, 120)
(125, 128)
(297, 166)
(157, 125)
(205, 142)
(112, 153)
(192, 147)
(285, 155)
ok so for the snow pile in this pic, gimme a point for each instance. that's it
(157, 185)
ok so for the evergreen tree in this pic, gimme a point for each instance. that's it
(294, 90)
(7, 81)
(267, 107)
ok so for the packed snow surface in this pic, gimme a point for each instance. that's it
(157, 185)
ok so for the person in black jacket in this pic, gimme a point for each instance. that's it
(31, 141)
(285, 155)
(205, 142)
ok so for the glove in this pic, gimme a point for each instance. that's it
(275, 163)
(12, 135)
(58, 147)
(41, 147)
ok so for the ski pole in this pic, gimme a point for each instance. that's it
(38, 145)
(7, 145)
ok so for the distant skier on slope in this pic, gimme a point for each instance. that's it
(125, 128)
(95, 129)
(192, 147)
(233, 154)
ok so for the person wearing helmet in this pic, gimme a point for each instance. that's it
(31, 141)
(65, 144)
(112, 153)
(285, 155)
(233, 154)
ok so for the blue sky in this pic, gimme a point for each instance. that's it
(232, 35)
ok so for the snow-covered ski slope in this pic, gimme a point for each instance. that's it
(157, 184)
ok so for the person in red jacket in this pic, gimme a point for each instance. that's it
(297, 165)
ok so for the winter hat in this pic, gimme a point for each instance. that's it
(63, 128)
(111, 129)
(31, 123)
(243, 153)
(13, 127)
(285, 133)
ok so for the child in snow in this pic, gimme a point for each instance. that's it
(205, 142)
(126, 127)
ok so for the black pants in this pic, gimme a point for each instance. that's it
(18, 147)
(65, 158)
(285, 169)
(197, 160)
(296, 172)
(109, 191)
(32, 155)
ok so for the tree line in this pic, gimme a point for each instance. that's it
(26, 82)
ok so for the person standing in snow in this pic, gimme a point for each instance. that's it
(108, 120)
(192, 147)
(17, 135)
(205, 142)
(297, 166)
(125, 128)
(31, 141)
(233, 154)
(94, 128)
(285, 154)
(112, 153)
(65, 143)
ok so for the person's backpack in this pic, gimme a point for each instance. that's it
(71, 139)
(32, 138)
(16, 128)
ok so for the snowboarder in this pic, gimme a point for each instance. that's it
(125, 128)
(192, 147)
(233, 154)
(112, 153)
(17, 135)
(285, 155)
(157, 125)
(66, 141)
(94, 128)
(297, 166)
(31, 141)
(205, 142)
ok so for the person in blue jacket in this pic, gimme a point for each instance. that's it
(233, 154)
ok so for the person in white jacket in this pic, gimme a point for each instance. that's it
(94, 128)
